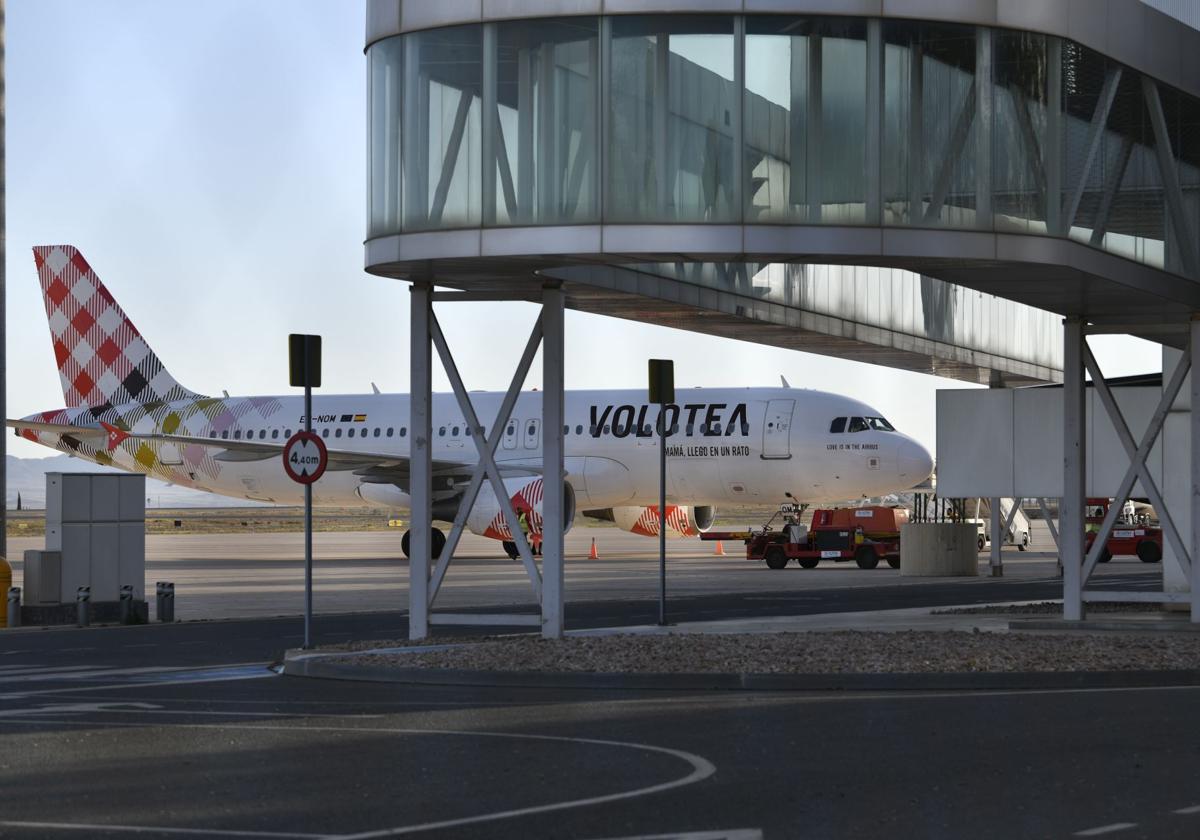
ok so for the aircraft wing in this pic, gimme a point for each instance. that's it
(373, 467)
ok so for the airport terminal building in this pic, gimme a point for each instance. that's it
(933, 185)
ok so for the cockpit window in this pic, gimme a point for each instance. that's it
(838, 425)
(858, 424)
(880, 425)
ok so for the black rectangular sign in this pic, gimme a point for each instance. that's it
(662, 381)
(304, 360)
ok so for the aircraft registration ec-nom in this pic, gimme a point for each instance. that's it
(725, 445)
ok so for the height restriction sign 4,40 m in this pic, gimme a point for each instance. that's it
(305, 457)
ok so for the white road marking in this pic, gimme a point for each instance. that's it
(733, 834)
(1105, 829)
(79, 707)
(155, 829)
(1191, 809)
(702, 768)
(171, 676)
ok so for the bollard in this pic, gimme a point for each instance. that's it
(83, 598)
(158, 599)
(126, 604)
(168, 602)
(14, 606)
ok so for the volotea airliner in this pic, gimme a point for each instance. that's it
(727, 445)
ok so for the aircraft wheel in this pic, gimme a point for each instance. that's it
(437, 543)
(981, 543)
(510, 548)
(1105, 556)
(866, 558)
(1149, 552)
(809, 562)
(775, 557)
(894, 562)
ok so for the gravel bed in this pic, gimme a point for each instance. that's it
(842, 652)
(1051, 608)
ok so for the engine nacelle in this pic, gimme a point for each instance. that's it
(487, 520)
(682, 520)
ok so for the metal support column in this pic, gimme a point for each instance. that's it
(1194, 425)
(420, 460)
(916, 132)
(996, 523)
(553, 472)
(874, 138)
(1052, 147)
(1071, 509)
(661, 123)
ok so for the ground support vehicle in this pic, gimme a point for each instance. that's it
(1129, 537)
(865, 535)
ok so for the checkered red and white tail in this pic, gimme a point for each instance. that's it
(102, 358)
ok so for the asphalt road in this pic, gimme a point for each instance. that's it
(182, 731)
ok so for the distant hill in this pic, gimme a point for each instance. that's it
(27, 476)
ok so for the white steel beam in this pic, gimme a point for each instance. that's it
(953, 153)
(485, 456)
(1071, 508)
(420, 487)
(814, 131)
(1112, 596)
(553, 473)
(1137, 460)
(984, 109)
(482, 440)
(1095, 140)
(1194, 424)
(450, 161)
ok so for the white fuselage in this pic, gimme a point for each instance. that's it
(742, 445)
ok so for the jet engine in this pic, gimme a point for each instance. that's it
(682, 520)
(487, 520)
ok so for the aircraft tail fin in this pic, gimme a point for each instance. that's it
(102, 358)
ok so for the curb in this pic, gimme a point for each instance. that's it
(298, 663)
(1127, 625)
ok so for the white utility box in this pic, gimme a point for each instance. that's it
(96, 524)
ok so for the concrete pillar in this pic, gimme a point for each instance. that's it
(1175, 446)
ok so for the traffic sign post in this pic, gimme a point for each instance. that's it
(308, 450)
(662, 391)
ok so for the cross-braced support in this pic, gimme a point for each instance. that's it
(547, 582)
(1078, 568)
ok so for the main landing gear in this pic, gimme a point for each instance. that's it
(437, 541)
(510, 548)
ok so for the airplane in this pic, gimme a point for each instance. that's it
(725, 445)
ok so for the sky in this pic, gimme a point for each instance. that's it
(209, 161)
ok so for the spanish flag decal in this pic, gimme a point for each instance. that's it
(360, 418)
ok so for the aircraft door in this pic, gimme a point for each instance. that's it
(510, 434)
(777, 429)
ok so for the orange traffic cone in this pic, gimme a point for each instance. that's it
(593, 554)
(719, 551)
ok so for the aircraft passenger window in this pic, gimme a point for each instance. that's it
(579, 429)
(376, 431)
(287, 433)
(388, 433)
(532, 429)
(511, 430)
(745, 428)
(237, 434)
(606, 430)
(225, 434)
(674, 430)
(325, 432)
(403, 431)
(441, 431)
(592, 430)
(274, 434)
(350, 432)
(857, 424)
(262, 433)
(337, 433)
(838, 425)
(689, 428)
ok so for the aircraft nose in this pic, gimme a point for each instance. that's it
(914, 462)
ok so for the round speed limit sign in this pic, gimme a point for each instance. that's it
(305, 457)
